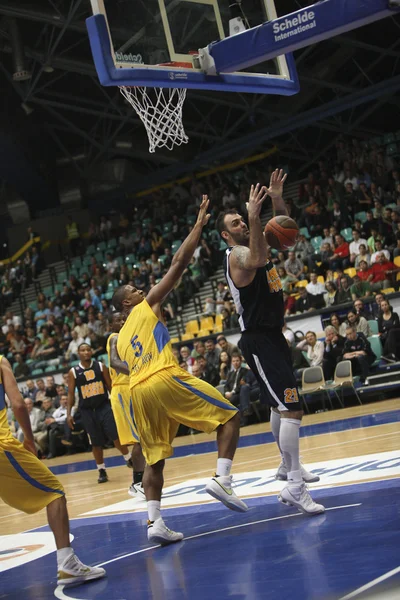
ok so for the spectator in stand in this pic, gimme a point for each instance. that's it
(354, 247)
(389, 330)
(287, 280)
(380, 273)
(370, 224)
(294, 266)
(224, 367)
(330, 294)
(358, 350)
(56, 427)
(340, 215)
(364, 272)
(212, 353)
(357, 321)
(226, 346)
(341, 253)
(81, 328)
(362, 256)
(41, 436)
(335, 322)
(333, 350)
(21, 369)
(34, 417)
(360, 308)
(289, 304)
(185, 357)
(313, 347)
(72, 350)
(303, 250)
(208, 372)
(317, 290)
(305, 302)
(235, 376)
(31, 390)
(360, 288)
(50, 390)
(378, 251)
(344, 294)
(17, 345)
(396, 251)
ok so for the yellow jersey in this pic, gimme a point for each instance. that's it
(5, 431)
(144, 344)
(116, 378)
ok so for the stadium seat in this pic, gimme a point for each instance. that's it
(51, 369)
(222, 245)
(389, 138)
(302, 283)
(218, 328)
(361, 216)
(175, 246)
(388, 291)
(304, 231)
(396, 261)
(37, 372)
(48, 291)
(111, 244)
(313, 382)
(99, 256)
(167, 227)
(104, 359)
(218, 320)
(33, 306)
(376, 349)
(108, 295)
(120, 260)
(101, 246)
(351, 271)
(373, 325)
(316, 242)
(130, 259)
(76, 263)
(192, 327)
(207, 323)
(343, 378)
(175, 340)
(87, 261)
(91, 249)
(63, 276)
(347, 234)
(162, 259)
(321, 279)
(186, 336)
(203, 333)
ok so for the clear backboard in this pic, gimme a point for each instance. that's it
(154, 43)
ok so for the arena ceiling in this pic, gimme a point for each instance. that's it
(348, 86)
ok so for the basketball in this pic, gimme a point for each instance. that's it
(281, 232)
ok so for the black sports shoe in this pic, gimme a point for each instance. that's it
(102, 476)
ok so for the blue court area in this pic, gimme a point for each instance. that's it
(269, 552)
(246, 441)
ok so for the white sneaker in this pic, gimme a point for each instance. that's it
(136, 491)
(300, 498)
(73, 572)
(221, 489)
(308, 477)
(158, 533)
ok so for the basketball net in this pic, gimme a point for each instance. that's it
(160, 110)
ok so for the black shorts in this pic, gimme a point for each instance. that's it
(268, 356)
(99, 424)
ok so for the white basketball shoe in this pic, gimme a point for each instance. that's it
(136, 491)
(73, 572)
(220, 488)
(308, 477)
(300, 498)
(158, 533)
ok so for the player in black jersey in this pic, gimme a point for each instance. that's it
(257, 292)
(92, 380)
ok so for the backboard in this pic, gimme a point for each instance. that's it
(153, 43)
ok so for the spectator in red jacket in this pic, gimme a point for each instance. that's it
(341, 254)
(364, 272)
(380, 273)
(289, 304)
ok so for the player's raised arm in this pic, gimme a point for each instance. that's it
(115, 362)
(253, 256)
(275, 190)
(181, 259)
(17, 404)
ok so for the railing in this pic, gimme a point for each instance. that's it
(20, 252)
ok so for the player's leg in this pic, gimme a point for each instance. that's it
(28, 485)
(107, 423)
(270, 361)
(197, 404)
(92, 425)
(137, 490)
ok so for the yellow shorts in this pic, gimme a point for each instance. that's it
(171, 397)
(122, 408)
(25, 483)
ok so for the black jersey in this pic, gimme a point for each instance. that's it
(90, 385)
(259, 304)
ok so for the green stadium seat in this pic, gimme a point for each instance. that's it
(376, 349)
(51, 369)
(120, 260)
(146, 222)
(37, 372)
(316, 242)
(99, 256)
(191, 220)
(222, 245)
(389, 138)
(48, 291)
(167, 227)
(33, 306)
(373, 325)
(175, 246)
(76, 263)
(74, 363)
(347, 234)
(392, 150)
(59, 287)
(109, 294)
(104, 359)
(101, 246)
(304, 231)
(112, 244)
(162, 259)
(91, 249)
(63, 276)
(361, 216)
(130, 259)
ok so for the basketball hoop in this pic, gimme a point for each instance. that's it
(160, 110)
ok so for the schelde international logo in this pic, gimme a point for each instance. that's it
(293, 26)
(132, 58)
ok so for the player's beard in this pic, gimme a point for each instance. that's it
(241, 239)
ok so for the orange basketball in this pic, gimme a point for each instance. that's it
(281, 232)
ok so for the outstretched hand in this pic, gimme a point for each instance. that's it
(203, 217)
(278, 178)
(256, 199)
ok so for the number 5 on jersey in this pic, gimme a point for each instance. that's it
(136, 346)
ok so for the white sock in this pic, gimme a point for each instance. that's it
(224, 466)
(102, 466)
(154, 509)
(127, 456)
(275, 422)
(289, 440)
(63, 554)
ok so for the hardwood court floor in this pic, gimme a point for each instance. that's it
(339, 434)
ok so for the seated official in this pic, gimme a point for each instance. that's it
(358, 350)
(389, 329)
(333, 351)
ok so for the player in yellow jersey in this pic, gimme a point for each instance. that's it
(27, 485)
(122, 408)
(164, 395)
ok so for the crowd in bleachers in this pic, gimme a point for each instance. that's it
(348, 211)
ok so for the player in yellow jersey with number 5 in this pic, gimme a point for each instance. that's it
(164, 395)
